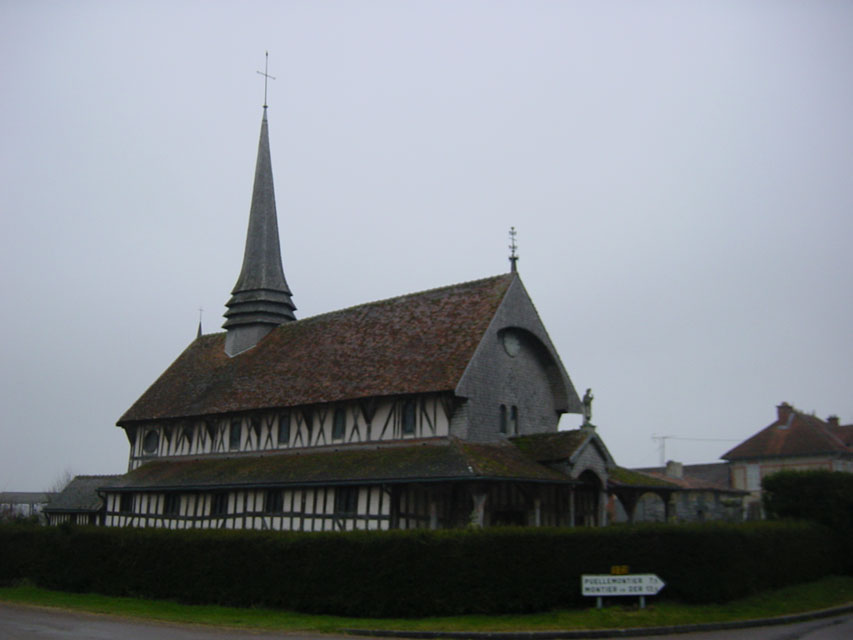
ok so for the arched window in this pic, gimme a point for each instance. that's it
(151, 442)
(513, 420)
(339, 426)
(503, 418)
(408, 418)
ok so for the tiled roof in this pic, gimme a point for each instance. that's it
(80, 494)
(550, 447)
(634, 479)
(412, 344)
(698, 477)
(843, 433)
(800, 435)
(426, 460)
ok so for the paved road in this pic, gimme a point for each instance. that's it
(35, 623)
(837, 628)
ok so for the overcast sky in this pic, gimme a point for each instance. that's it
(680, 175)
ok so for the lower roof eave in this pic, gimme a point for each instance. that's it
(336, 483)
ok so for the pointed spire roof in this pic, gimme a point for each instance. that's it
(261, 299)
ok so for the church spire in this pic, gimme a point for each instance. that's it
(260, 300)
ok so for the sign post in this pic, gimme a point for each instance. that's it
(638, 584)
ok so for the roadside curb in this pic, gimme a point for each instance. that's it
(606, 633)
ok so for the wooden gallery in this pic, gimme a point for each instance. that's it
(434, 409)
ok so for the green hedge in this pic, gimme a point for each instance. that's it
(413, 573)
(821, 496)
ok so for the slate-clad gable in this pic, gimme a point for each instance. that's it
(412, 344)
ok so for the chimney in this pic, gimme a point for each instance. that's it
(833, 421)
(784, 412)
(674, 469)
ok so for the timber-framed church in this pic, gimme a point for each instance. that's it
(434, 409)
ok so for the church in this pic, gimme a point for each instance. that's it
(435, 409)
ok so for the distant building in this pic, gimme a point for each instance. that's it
(794, 441)
(703, 492)
(22, 504)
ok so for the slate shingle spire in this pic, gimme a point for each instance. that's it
(260, 301)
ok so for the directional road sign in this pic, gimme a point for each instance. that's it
(638, 584)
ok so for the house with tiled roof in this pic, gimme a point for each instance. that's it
(433, 409)
(794, 441)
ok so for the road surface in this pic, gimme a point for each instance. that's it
(21, 622)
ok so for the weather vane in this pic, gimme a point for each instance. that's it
(513, 257)
(266, 75)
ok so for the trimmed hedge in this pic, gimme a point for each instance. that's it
(413, 573)
(821, 496)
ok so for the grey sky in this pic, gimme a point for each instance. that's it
(679, 175)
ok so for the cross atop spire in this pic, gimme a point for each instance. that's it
(513, 247)
(266, 75)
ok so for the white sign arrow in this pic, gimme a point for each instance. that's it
(639, 584)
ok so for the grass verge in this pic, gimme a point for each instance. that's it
(831, 591)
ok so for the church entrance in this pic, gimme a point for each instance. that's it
(587, 496)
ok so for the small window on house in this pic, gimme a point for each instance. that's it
(408, 418)
(151, 442)
(283, 428)
(339, 424)
(346, 501)
(219, 505)
(125, 503)
(513, 420)
(503, 418)
(172, 504)
(234, 434)
(273, 501)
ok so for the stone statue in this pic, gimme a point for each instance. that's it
(587, 406)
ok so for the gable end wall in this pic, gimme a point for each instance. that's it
(495, 378)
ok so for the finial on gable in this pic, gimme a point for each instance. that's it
(266, 76)
(513, 257)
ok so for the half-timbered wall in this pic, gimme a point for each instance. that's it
(343, 508)
(373, 419)
(293, 509)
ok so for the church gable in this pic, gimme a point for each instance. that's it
(420, 343)
(515, 383)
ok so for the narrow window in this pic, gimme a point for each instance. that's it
(339, 425)
(408, 418)
(273, 501)
(346, 501)
(234, 434)
(125, 504)
(172, 504)
(283, 428)
(503, 418)
(513, 419)
(219, 505)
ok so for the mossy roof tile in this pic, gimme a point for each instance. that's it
(417, 343)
